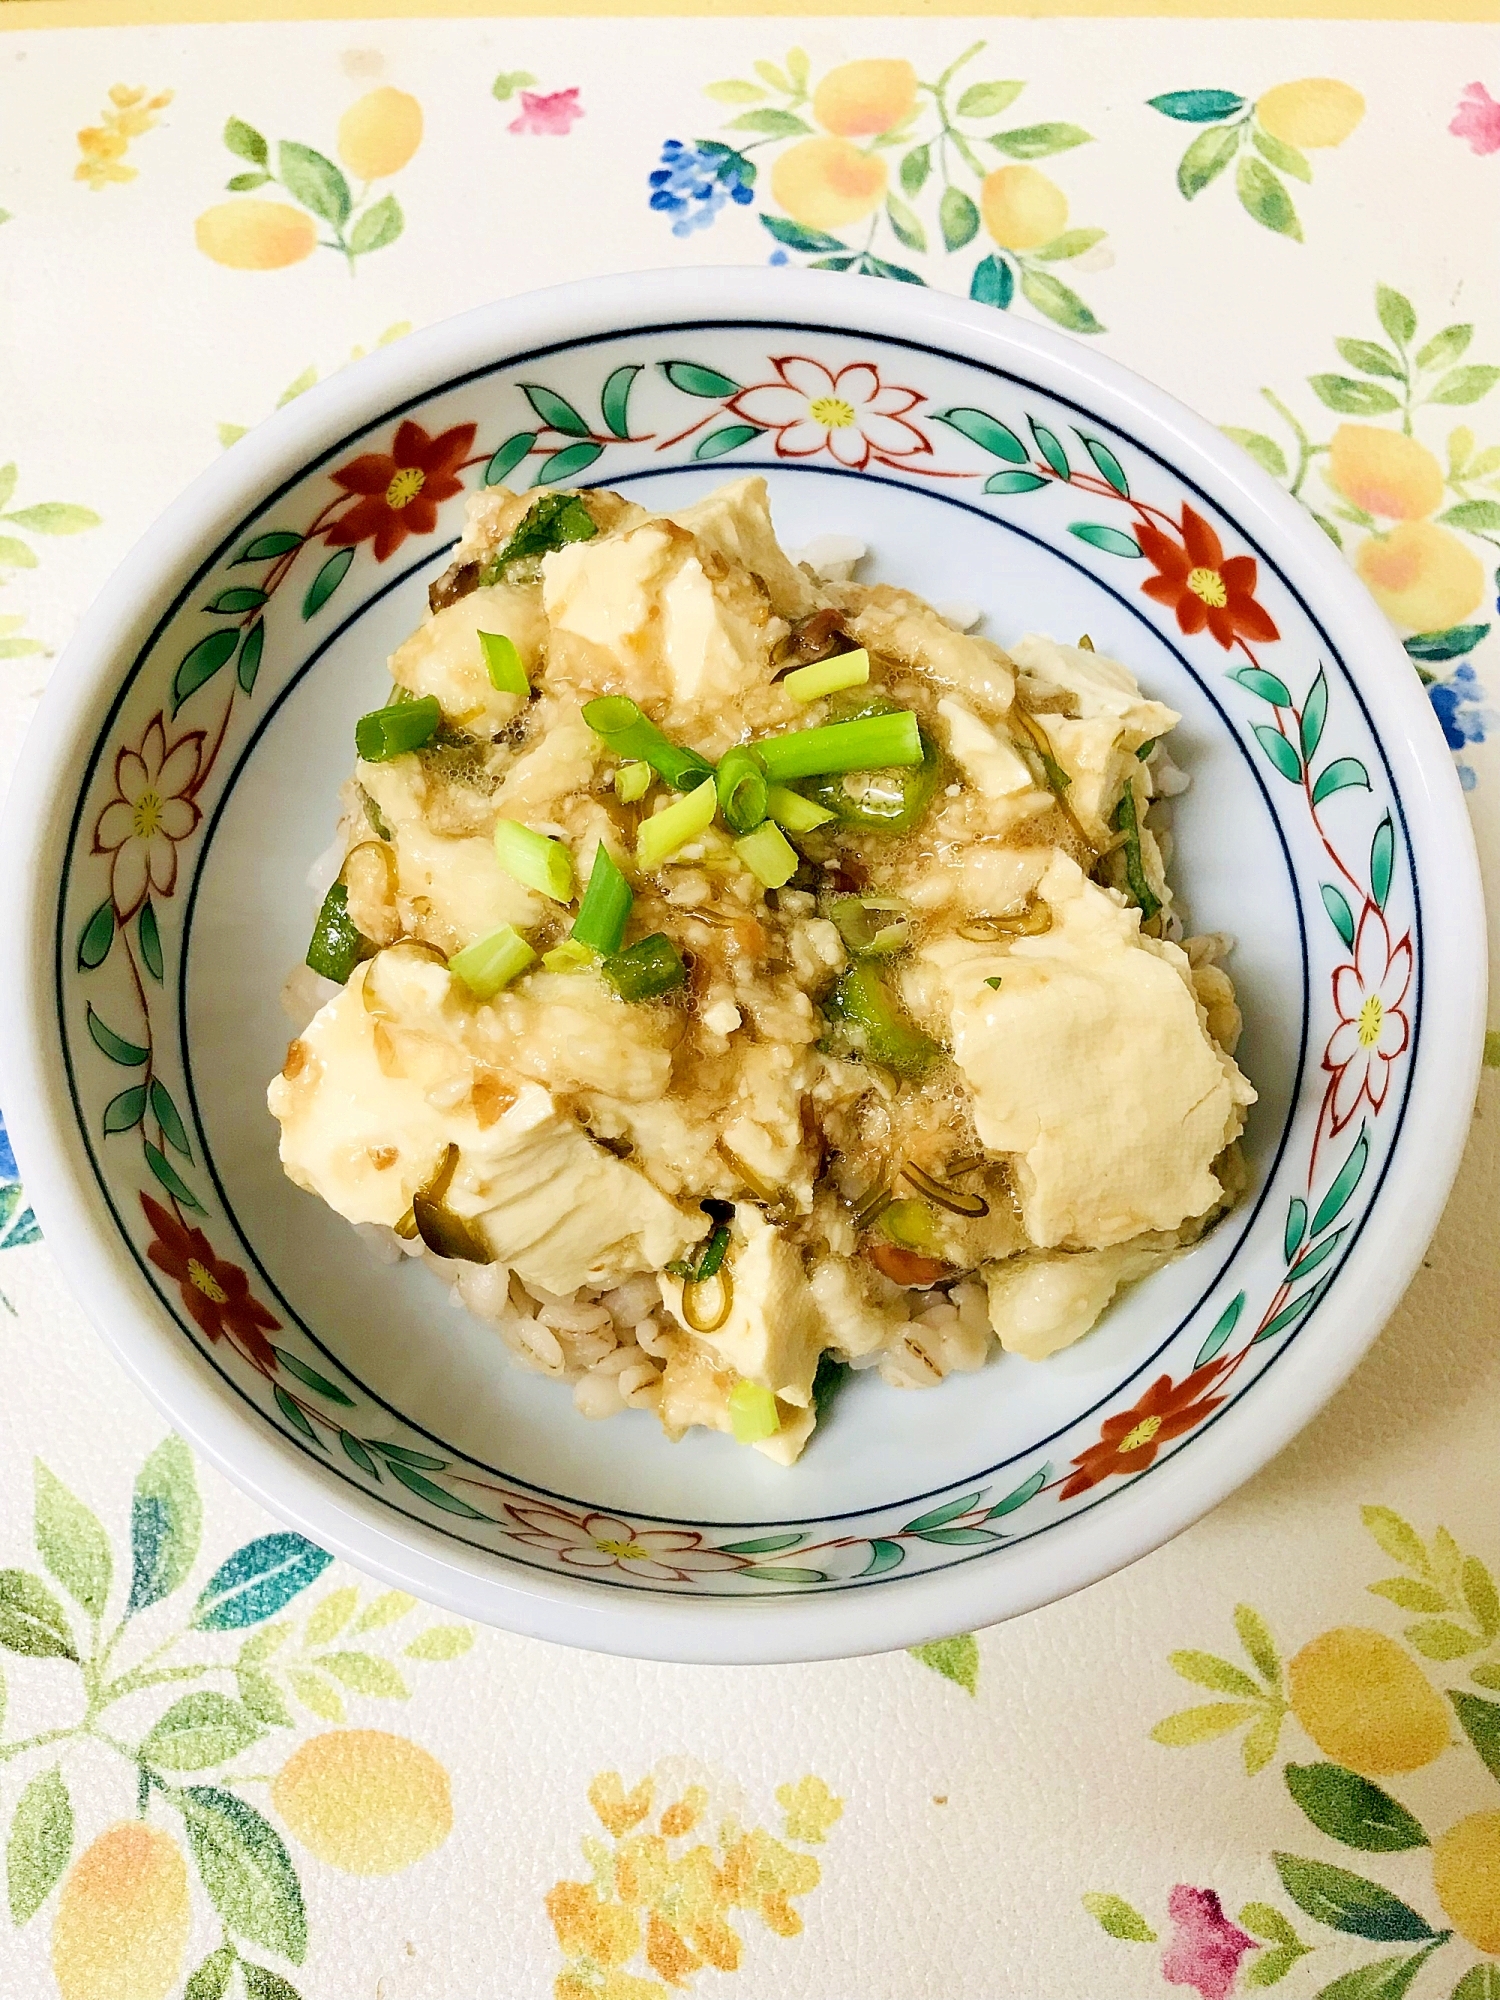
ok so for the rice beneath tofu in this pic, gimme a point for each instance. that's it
(792, 1110)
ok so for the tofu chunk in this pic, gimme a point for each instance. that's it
(1110, 720)
(444, 657)
(774, 1332)
(1090, 1063)
(1042, 1302)
(559, 1210)
(371, 1101)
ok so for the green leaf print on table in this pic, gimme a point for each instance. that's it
(1266, 141)
(1368, 1705)
(377, 136)
(871, 147)
(18, 527)
(361, 1800)
(956, 1659)
(1424, 518)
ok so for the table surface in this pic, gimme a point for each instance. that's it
(1150, 1785)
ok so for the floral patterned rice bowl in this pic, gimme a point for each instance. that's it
(180, 783)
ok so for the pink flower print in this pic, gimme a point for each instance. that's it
(1205, 1948)
(853, 415)
(1373, 1029)
(151, 812)
(603, 1541)
(550, 113)
(1477, 119)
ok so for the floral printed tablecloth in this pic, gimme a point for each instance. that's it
(1271, 1752)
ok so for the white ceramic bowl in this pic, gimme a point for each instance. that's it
(219, 675)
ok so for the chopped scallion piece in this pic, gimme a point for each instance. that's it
(995, 983)
(868, 744)
(396, 729)
(700, 1269)
(632, 782)
(569, 956)
(605, 909)
(865, 1020)
(741, 781)
(503, 664)
(492, 962)
(338, 945)
(871, 926)
(665, 832)
(1146, 748)
(647, 969)
(768, 854)
(909, 1225)
(714, 1253)
(542, 864)
(844, 670)
(797, 814)
(752, 1411)
(628, 733)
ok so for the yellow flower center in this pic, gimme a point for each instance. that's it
(1371, 1019)
(832, 411)
(406, 485)
(1143, 1433)
(203, 1280)
(146, 814)
(1209, 585)
(626, 1551)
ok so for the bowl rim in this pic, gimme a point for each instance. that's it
(1140, 1517)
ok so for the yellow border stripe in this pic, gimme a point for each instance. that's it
(150, 13)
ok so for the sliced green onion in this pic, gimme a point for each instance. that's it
(715, 1251)
(1127, 822)
(995, 984)
(844, 670)
(908, 1224)
(605, 909)
(492, 961)
(548, 524)
(647, 969)
(871, 926)
(741, 781)
(752, 1411)
(795, 813)
(503, 664)
(864, 1020)
(628, 733)
(542, 864)
(699, 1270)
(769, 855)
(868, 744)
(396, 729)
(569, 956)
(632, 782)
(666, 831)
(1146, 748)
(337, 945)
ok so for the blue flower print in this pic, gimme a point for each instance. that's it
(1460, 705)
(17, 1223)
(694, 182)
